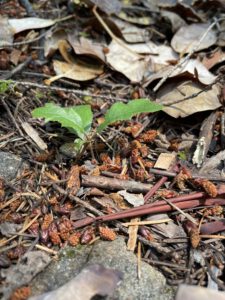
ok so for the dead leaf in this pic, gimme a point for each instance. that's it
(51, 41)
(15, 56)
(77, 71)
(215, 58)
(167, 229)
(127, 62)
(176, 21)
(187, 292)
(134, 199)
(136, 20)
(87, 47)
(93, 280)
(108, 6)
(192, 68)
(22, 24)
(187, 37)
(134, 66)
(6, 32)
(34, 135)
(130, 32)
(171, 92)
(119, 201)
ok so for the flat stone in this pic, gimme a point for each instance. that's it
(10, 165)
(152, 284)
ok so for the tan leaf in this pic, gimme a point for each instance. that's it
(187, 37)
(193, 67)
(127, 62)
(79, 71)
(22, 24)
(87, 47)
(207, 100)
(52, 40)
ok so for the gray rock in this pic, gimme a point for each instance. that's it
(10, 165)
(22, 273)
(151, 286)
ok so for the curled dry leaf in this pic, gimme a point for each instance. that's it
(169, 93)
(51, 41)
(187, 37)
(87, 47)
(79, 71)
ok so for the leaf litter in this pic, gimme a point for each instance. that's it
(168, 52)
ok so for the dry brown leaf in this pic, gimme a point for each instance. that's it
(77, 71)
(52, 40)
(207, 100)
(127, 62)
(134, 66)
(22, 24)
(15, 56)
(87, 47)
(192, 68)
(130, 32)
(6, 31)
(215, 58)
(187, 37)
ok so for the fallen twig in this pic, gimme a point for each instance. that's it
(115, 184)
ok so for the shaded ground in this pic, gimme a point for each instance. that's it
(51, 197)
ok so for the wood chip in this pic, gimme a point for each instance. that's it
(165, 161)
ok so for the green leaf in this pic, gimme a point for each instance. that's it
(120, 111)
(84, 111)
(4, 85)
(77, 119)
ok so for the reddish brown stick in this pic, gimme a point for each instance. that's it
(155, 188)
(150, 210)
